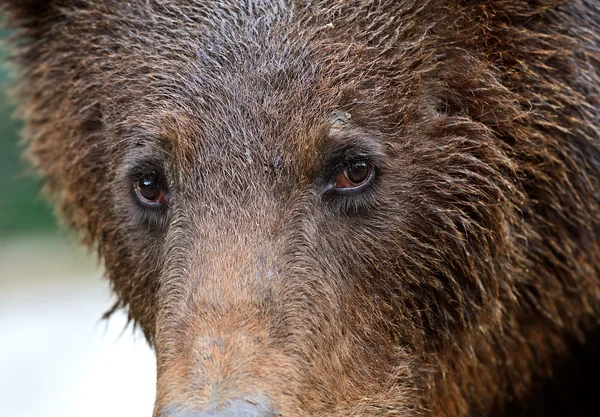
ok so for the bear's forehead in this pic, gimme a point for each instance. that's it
(251, 92)
(233, 85)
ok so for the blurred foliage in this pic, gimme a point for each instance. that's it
(22, 208)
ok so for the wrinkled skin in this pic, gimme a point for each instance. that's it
(450, 285)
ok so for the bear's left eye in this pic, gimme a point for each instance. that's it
(354, 176)
(149, 191)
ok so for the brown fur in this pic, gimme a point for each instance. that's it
(451, 288)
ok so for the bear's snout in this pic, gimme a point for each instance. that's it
(246, 407)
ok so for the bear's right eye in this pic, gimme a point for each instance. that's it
(149, 191)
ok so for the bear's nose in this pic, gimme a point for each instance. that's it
(236, 408)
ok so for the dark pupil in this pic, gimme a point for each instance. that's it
(149, 189)
(357, 172)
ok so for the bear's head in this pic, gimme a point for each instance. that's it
(325, 208)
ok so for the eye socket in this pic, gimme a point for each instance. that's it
(149, 190)
(355, 175)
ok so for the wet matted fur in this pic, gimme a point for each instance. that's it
(458, 281)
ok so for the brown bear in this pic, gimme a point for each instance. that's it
(333, 208)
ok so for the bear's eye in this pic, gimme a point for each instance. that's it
(149, 191)
(355, 175)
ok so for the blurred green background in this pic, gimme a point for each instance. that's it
(22, 208)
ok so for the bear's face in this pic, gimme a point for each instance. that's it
(275, 212)
(308, 208)
(276, 217)
(260, 203)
